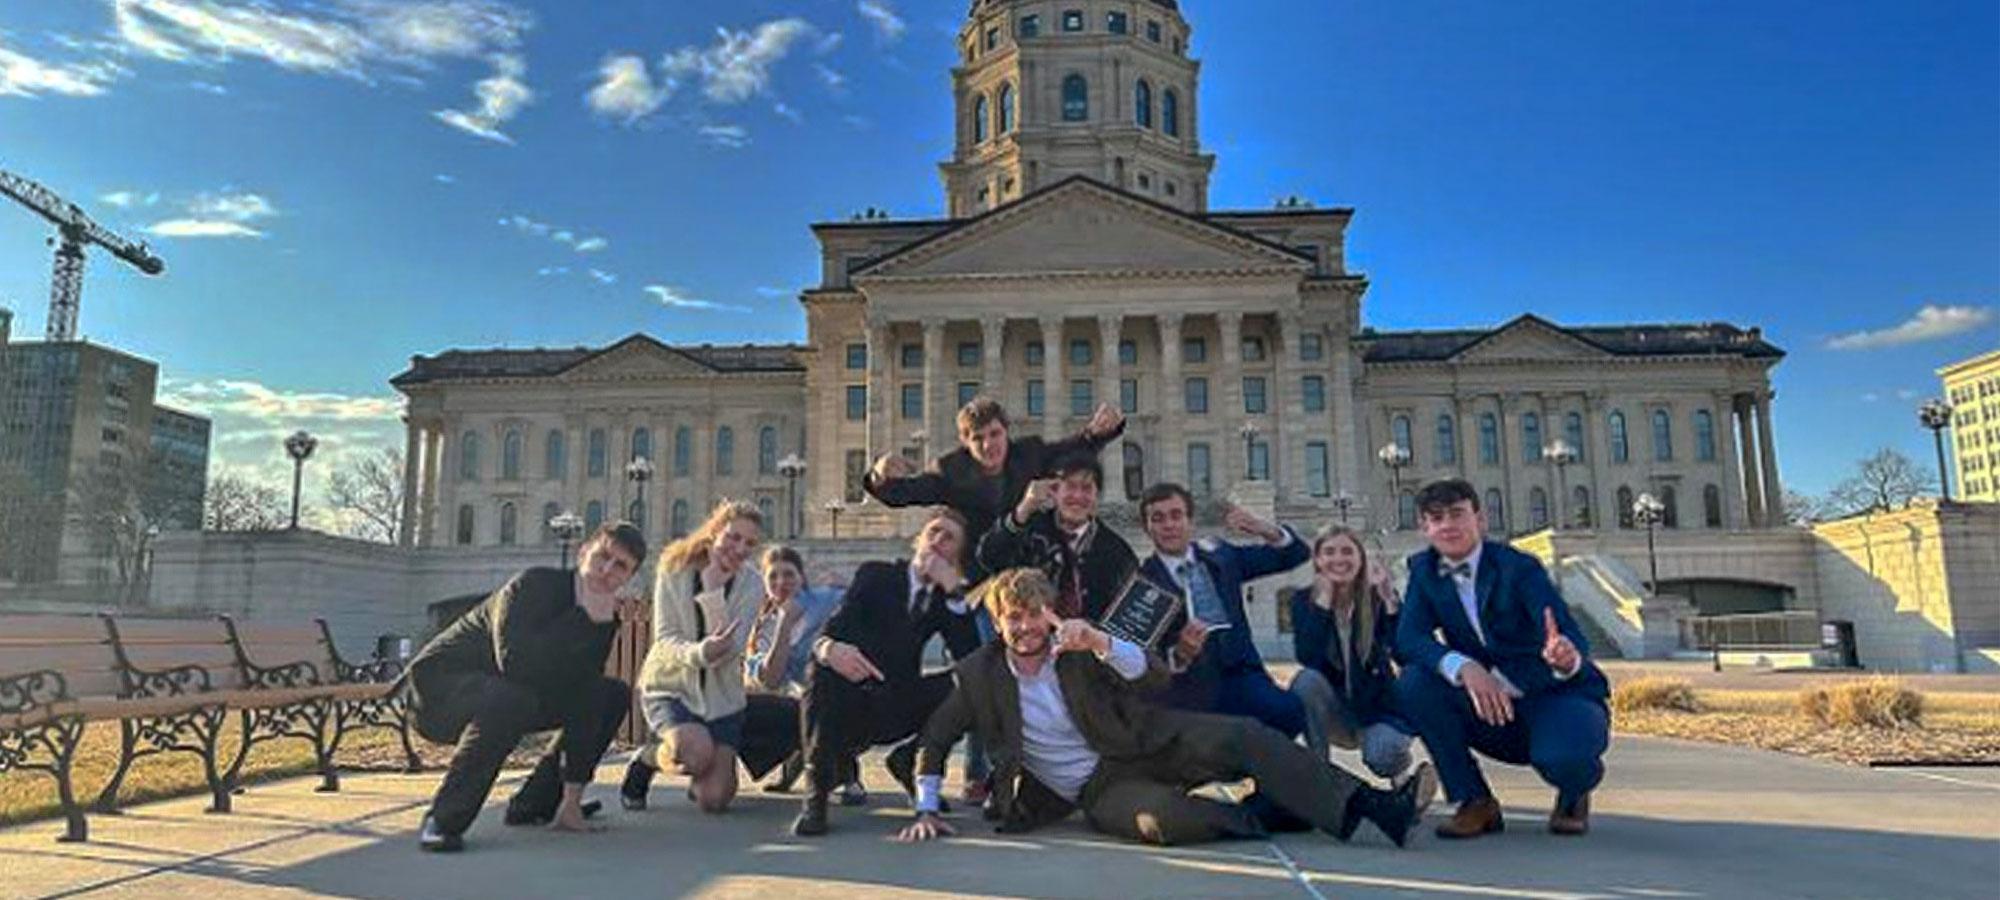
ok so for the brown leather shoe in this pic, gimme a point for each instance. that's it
(1572, 821)
(1474, 818)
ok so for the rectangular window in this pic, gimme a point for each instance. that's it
(968, 354)
(1153, 31)
(1260, 460)
(913, 401)
(1310, 348)
(1035, 399)
(1128, 395)
(913, 356)
(1197, 396)
(857, 356)
(1194, 350)
(1034, 352)
(1128, 353)
(1031, 26)
(857, 469)
(1253, 396)
(1312, 390)
(1072, 20)
(1253, 349)
(992, 38)
(1079, 352)
(1080, 399)
(857, 403)
(1200, 483)
(1116, 23)
(1317, 482)
(966, 391)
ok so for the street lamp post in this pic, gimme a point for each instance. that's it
(1342, 501)
(1249, 432)
(299, 447)
(639, 471)
(1395, 456)
(568, 526)
(1935, 415)
(1560, 454)
(834, 508)
(1647, 510)
(792, 467)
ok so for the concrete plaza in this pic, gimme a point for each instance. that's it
(1677, 820)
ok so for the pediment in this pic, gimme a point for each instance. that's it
(636, 357)
(1529, 339)
(1081, 227)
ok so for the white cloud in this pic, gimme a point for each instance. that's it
(731, 136)
(207, 87)
(129, 199)
(501, 97)
(767, 291)
(234, 207)
(674, 298)
(626, 91)
(833, 80)
(547, 271)
(1930, 323)
(787, 111)
(738, 66)
(829, 42)
(565, 236)
(602, 277)
(591, 245)
(202, 228)
(207, 215)
(456, 28)
(25, 76)
(250, 421)
(442, 178)
(882, 14)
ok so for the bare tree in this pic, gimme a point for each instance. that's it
(106, 504)
(366, 493)
(1805, 509)
(235, 503)
(1886, 480)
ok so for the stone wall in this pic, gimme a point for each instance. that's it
(1922, 585)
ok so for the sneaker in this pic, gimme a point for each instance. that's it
(638, 782)
(812, 817)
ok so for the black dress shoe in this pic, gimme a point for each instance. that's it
(638, 781)
(1397, 812)
(515, 816)
(812, 817)
(436, 840)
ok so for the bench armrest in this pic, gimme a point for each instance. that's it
(30, 691)
(174, 682)
(291, 675)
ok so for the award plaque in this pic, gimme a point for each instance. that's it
(1141, 611)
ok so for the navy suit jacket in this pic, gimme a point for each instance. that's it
(1513, 590)
(1233, 651)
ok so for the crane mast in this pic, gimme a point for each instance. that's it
(74, 231)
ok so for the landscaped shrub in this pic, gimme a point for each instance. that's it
(1877, 702)
(1674, 694)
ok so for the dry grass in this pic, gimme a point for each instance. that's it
(1877, 703)
(1955, 727)
(1667, 694)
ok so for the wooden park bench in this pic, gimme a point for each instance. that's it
(170, 684)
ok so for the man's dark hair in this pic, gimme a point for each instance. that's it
(1162, 492)
(1072, 463)
(625, 535)
(978, 413)
(1439, 496)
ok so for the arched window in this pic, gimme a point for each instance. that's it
(510, 455)
(725, 451)
(1624, 507)
(593, 515)
(1704, 435)
(683, 451)
(468, 457)
(1663, 436)
(1135, 470)
(1406, 510)
(549, 512)
(1447, 440)
(1621, 445)
(1489, 439)
(635, 512)
(979, 112)
(465, 524)
(510, 524)
(678, 521)
(1142, 104)
(1711, 506)
(553, 451)
(1496, 511)
(1399, 432)
(767, 451)
(1170, 113)
(642, 443)
(596, 453)
(1075, 99)
(1006, 108)
(1538, 508)
(1670, 500)
(1531, 437)
(1579, 506)
(1573, 432)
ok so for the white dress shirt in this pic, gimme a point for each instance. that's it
(1468, 597)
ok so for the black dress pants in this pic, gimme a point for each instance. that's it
(487, 716)
(841, 719)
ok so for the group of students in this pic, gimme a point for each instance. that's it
(1014, 570)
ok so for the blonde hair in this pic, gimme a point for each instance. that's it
(1356, 587)
(1025, 588)
(691, 552)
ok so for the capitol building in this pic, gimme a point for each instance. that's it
(1081, 263)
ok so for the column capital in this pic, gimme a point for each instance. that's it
(1111, 322)
(1229, 319)
(932, 324)
(1170, 321)
(993, 323)
(1051, 322)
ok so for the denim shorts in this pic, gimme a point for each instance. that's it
(667, 712)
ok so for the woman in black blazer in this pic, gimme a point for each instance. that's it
(1343, 632)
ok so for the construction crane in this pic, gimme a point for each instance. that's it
(73, 231)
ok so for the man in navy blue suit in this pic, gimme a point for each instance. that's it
(1217, 668)
(1492, 661)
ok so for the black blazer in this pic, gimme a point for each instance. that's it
(530, 632)
(1105, 564)
(1115, 718)
(1512, 589)
(1316, 645)
(874, 615)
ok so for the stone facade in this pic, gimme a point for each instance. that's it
(1972, 388)
(1922, 584)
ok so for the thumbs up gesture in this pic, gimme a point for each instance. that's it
(1558, 651)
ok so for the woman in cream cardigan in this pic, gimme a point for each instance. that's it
(691, 686)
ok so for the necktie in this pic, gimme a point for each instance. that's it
(1207, 603)
(1455, 570)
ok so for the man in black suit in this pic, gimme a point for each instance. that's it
(1060, 705)
(1055, 528)
(530, 658)
(867, 686)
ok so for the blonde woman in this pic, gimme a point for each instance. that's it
(692, 685)
(1343, 629)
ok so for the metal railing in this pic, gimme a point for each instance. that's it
(1790, 630)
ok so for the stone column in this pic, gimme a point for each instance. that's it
(1170, 456)
(1109, 329)
(1346, 428)
(1288, 406)
(447, 481)
(881, 420)
(406, 531)
(1753, 483)
(1462, 423)
(1229, 397)
(1055, 391)
(1551, 429)
(1598, 457)
(936, 433)
(993, 356)
(1774, 489)
(576, 463)
(1726, 455)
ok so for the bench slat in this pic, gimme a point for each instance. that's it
(218, 659)
(42, 629)
(155, 631)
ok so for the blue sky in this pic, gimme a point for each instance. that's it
(336, 185)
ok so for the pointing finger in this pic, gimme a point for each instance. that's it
(1549, 618)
